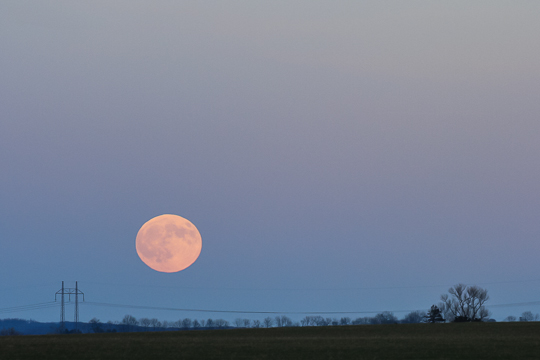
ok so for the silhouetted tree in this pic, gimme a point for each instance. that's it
(210, 323)
(220, 323)
(283, 321)
(110, 326)
(319, 321)
(529, 316)
(466, 303)
(155, 323)
(186, 323)
(9, 332)
(145, 323)
(268, 322)
(196, 324)
(96, 325)
(239, 322)
(386, 317)
(345, 321)
(434, 315)
(308, 321)
(414, 317)
(256, 324)
(129, 322)
(286, 321)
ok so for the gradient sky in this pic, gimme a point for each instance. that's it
(334, 155)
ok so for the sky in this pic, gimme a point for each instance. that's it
(336, 156)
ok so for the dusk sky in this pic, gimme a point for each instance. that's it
(345, 156)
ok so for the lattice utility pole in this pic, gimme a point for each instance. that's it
(76, 305)
(69, 291)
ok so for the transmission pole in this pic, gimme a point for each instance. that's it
(76, 305)
(63, 310)
(69, 291)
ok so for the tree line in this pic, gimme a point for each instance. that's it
(462, 304)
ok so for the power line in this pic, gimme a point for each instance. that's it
(234, 311)
(126, 306)
(516, 304)
(53, 304)
(29, 307)
(268, 289)
(311, 289)
(25, 286)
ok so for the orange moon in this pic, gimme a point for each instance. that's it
(168, 243)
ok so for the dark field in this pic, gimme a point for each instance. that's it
(418, 341)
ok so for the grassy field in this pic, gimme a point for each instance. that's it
(415, 341)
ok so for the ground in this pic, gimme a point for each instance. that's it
(403, 341)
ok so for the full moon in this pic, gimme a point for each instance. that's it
(168, 243)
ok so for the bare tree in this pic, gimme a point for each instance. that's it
(247, 323)
(311, 320)
(345, 321)
(9, 332)
(526, 316)
(286, 321)
(196, 324)
(414, 317)
(362, 320)
(510, 318)
(315, 321)
(145, 323)
(210, 323)
(466, 303)
(283, 321)
(129, 322)
(155, 323)
(256, 324)
(386, 317)
(110, 325)
(165, 324)
(268, 322)
(186, 323)
(96, 325)
(238, 322)
(220, 323)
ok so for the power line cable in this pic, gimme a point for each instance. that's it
(268, 289)
(234, 311)
(516, 304)
(25, 287)
(309, 289)
(277, 312)
(29, 307)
